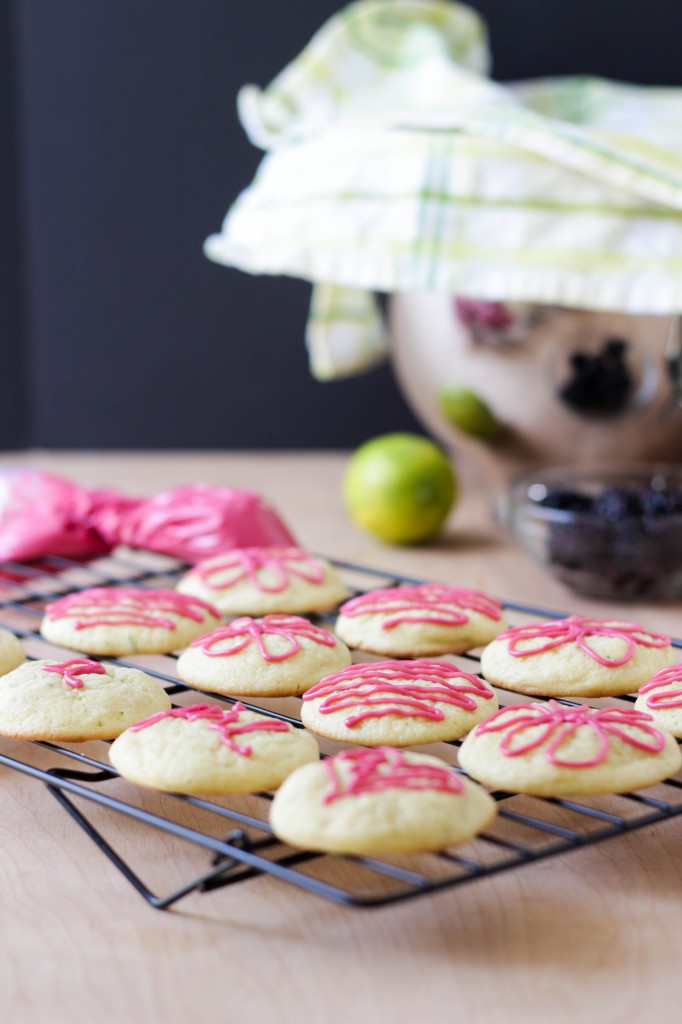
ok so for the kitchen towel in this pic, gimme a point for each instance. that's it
(395, 164)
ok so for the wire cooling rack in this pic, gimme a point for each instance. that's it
(232, 837)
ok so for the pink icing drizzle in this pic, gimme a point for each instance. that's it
(70, 670)
(248, 563)
(577, 629)
(665, 698)
(553, 719)
(224, 722)
(126, 606)
(382, 768)
(384, 688)
(430, 602)
(247, 630)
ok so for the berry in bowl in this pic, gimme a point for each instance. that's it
(612, 532)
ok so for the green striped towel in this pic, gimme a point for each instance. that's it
(395, 164)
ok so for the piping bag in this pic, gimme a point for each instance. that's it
(43, 514)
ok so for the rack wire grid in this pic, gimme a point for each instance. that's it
(234, 842)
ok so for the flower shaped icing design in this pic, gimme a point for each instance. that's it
(266, 569)
(244, 631)
(409, 689)
(579, 630)
(528, 727)
(664, 689)
(431, 602)
(373, 771)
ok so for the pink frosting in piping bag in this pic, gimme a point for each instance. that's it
(197, 521)
(43, 514)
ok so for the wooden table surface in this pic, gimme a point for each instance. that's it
(592, 935)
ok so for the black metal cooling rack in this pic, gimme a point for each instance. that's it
(234, 840)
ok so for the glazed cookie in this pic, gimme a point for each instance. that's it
(379, 801)
(397, 703)
(258, 581)
(11, 651)
(575, 657)
(277, 656)
(127, 620)
(208, 749)
(74, 701)
(661, 698)
(550, 749)
(418, 621)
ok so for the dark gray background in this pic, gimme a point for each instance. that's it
(122, 151)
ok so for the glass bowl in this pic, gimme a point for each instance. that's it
(606, 531)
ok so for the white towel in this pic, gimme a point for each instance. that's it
(395, 164)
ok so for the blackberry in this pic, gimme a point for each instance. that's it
(567, 501)
(621, 543)
(656, 502)
(600, 383)
(615, 504)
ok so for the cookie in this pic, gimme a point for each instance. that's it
(77, 700)
(551, 749)
(11, 651)
(127, 620)
(397, 703)
(208, 749)
(418, 621)
(276, 656)
(661, 698)
(260, 581)
(379, 801)
(575, 657)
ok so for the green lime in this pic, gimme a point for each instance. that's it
(466, 411)
(399, 487)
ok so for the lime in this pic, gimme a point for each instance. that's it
(399, 487)
(466, 411)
